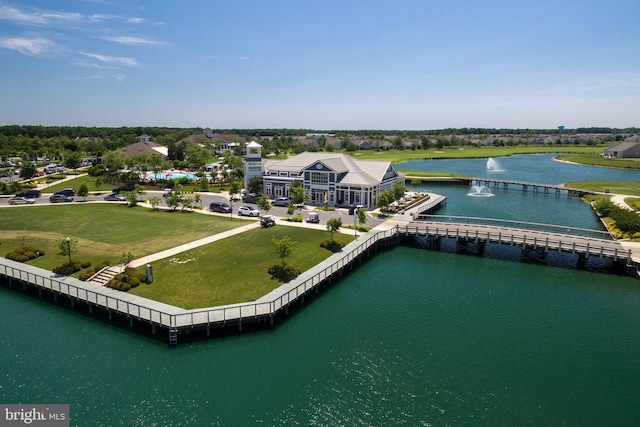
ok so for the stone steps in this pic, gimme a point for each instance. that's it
(103, 276)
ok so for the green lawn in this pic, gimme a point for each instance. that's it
(104, 231)
(596, 159)
(631, 188)
(231, 270)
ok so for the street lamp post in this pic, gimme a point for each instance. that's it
(69, 249)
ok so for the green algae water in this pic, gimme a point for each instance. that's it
(411, 337)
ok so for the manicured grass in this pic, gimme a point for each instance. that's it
(104, 231)
(231, 270)
(595, 159)
(56, 185)
(631, 188)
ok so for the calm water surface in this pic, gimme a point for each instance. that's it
(412, 337)
(538, 168)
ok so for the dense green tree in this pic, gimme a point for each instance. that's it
(83, 191)
(72, 160)
(385, 199)
(297, 192)
(67, 246)
(283, 247)
(264, 204)
(173, 201)
(398, 190)
(255, 185)
(333, 225)
(28, 170)
(198, 156)
(114, 160)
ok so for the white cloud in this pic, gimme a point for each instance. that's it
(53, 17)
(37, 17)
(133, 41)
(129, 62)
(27, 46)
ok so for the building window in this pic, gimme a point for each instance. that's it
(319, 178)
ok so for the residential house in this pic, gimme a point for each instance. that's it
(623, 150)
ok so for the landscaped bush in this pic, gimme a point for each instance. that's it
(91, 271)
(332, 245)
(66, 269)
(297, 218)
(127, 280)
(284, 273)
(24, 254)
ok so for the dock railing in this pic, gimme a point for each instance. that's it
(287, 293)
(99, 298)
(504, 223)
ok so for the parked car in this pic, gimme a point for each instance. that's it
(267, 221)
(313, 218)
(66, 192)
(282, 201)
(248, 211)
(220, 207)
(30, 194)
(60, 198)
(20, 200)
(250, 198)
(115, 198)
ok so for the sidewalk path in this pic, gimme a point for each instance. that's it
(618, 199)
(196, 243)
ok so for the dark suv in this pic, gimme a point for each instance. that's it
(250, 198)
(125, 187)
(67, 192)
(30, 194)
(220, 207)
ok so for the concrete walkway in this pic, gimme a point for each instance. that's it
(618, 199)
(191, 245)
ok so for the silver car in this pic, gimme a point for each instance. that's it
(19, 200)
(248, 211)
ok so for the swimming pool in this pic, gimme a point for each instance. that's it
(173, 175)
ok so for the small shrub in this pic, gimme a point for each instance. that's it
(67, 269)
(332, 245)
(84, 275)
(297, 218)
(24, 254)
(127, 280)
(284, 274)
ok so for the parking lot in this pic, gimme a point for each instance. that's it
(208, 198)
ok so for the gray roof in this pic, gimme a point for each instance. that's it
(357, 172)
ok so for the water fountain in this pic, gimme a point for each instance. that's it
(480, 191)
(493, 165)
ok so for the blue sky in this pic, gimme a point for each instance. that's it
(325, 65)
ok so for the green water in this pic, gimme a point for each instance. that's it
(412, 337)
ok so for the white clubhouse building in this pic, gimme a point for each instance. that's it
(334, 179)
